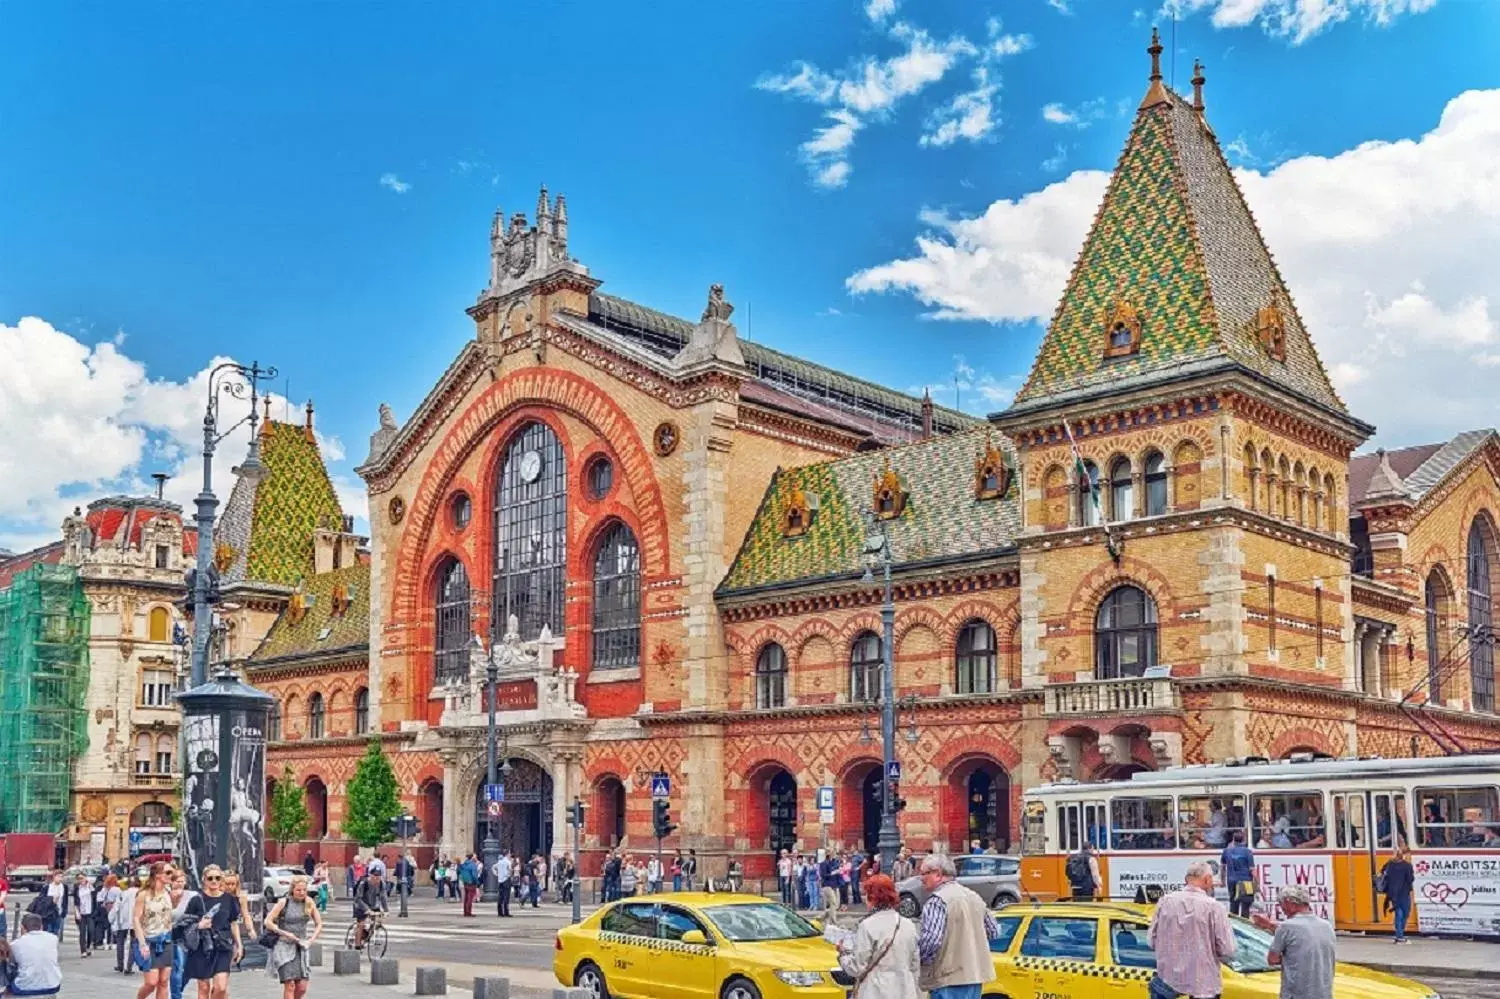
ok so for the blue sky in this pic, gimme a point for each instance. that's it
(311, 184)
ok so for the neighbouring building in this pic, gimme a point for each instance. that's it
(1161, 553)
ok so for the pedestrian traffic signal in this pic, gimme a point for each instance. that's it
(661, 818)
(575, 813)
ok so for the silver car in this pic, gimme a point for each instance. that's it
(997, 880)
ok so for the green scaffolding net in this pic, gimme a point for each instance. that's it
(44, 676)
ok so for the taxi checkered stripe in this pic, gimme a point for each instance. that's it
(1085, 969)
(654, 943)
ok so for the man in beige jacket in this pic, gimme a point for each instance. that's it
(954, 939)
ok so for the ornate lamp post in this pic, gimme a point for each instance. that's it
(878, 552)
(491, 846)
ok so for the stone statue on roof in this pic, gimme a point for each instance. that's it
(714, 340)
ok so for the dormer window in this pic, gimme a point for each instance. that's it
(1122, 329)
(991, 475)
(798, 515)
(890, 498)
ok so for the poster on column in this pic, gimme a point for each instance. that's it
(200, 745)
(247, 775)
(1457, 893)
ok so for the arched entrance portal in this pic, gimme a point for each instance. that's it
(432, 811)
(977, 806)
(317, 808)
(781, 793)
(524, 826)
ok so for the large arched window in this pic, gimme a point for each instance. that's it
(975, 659)
(1156, 484)
(1439, 605)
(617, 600)
(1121, 490)
(1088, 495)
(315, 716)
(1125, 634)
(531, 532)
(1481, 652)
(451, 641)
(362, 711)
(770, 677)
(864, 667)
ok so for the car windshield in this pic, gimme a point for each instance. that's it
(753, 922)
(1251, 946)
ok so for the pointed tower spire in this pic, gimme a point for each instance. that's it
(1157, 92)
(926, 413)
(307, 425)
(1198, 82)
(541, 210)
(560, 219)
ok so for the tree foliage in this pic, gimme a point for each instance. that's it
(289, 818)
(373, 798)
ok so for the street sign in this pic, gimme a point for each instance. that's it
(494, 793)
(825, 799)
(893, 770)
(493, 808)
(661, 786)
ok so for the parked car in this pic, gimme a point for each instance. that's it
(278, 881)
(995, 879)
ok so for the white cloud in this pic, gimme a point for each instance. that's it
(971, 390)
(1057, 160)
(85, 420)
(1298, 20)
(1387, 249)
(1058, 115)
(1081, 116)
(871, 88)
(391, 182)
(970, 115)
(1061, 6)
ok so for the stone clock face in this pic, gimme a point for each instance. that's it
(531, 466)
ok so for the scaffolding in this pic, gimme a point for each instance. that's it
(44, 675)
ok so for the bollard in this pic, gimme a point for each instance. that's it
(385, 971)
(346, 962)
(432, 981)
(315, 955)
(492, 988)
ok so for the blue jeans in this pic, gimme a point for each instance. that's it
(179, 965)
(956, 992)
(677, 882)
(3, 927)
(1402, 912)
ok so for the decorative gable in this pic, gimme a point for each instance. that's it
(991, 474)
(890, 498)
(1122, 329)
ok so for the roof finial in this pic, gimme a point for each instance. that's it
(1155, 51)
(1198, 82)
(307, 426)
(265, 425)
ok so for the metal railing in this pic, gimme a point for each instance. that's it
(1107, 697)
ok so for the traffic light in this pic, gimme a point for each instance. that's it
(404, 827)
(897, 802)
(661, 818)
(575, 813)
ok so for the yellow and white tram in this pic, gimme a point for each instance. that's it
(1327, 824)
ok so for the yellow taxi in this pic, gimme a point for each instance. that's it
(693, 945)
(1086, 950)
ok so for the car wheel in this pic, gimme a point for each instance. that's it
(908, 906)
(1003, 899)
(588, 976)
(740, 988)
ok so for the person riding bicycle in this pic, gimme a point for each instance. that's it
(369, 897)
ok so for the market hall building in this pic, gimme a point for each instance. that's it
(657, 530)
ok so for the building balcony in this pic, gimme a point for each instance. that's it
(1094, 698)
(155, 780)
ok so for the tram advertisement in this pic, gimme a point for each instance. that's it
(1457, 893)
(1134, 876)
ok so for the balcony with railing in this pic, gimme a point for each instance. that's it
(1132, 696)
(167, 780)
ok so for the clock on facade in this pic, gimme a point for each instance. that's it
(531, 466)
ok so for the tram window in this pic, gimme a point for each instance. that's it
(1390, 815)
(1463, 817)
(1208, 822)
(1288, 821)
(1034, 828)
(1349, 821)
(1142, 824)
(1080, 821)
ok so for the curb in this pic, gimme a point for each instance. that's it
(1429, 971)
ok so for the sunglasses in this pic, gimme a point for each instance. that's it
(212, 878)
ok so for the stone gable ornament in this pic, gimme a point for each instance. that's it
(665, 438)
(397, 509)
(992, 476)
(890, 498)
(717, 307)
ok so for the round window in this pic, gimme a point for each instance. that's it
(601, 477)
(463, 510)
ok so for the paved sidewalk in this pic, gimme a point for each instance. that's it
(1424, 957)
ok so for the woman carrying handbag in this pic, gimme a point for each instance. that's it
(882, 956)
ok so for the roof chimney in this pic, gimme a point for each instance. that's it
(161, 482)
(926, 414)
(1198, 82)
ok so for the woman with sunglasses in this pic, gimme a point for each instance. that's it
(152, 925)
(218, 938)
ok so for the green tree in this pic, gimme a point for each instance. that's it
(372, 799)
(289, 818)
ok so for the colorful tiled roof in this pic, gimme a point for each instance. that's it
(121, 518)
(270, 518)
(324, 625)
(12, 565)
(1175, 240)
(942, 518)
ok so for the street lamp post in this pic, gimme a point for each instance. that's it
(878, 551)
(491, 846)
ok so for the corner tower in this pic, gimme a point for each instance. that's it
(1184, 457)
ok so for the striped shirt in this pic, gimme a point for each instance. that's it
(935, 926)
(1191, 935)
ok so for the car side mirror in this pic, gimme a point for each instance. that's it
(694, 937)
(816, 924)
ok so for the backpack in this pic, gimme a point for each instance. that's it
(1078, 869)
(43, 906)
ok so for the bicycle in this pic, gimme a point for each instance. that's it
(376, 939)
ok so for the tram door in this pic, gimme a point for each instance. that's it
(1367, 826)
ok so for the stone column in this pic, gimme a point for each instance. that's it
(453, 836)
(563, 789)
(1357, 680)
